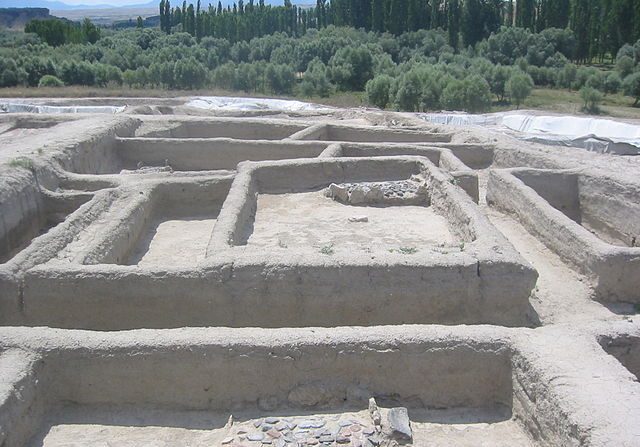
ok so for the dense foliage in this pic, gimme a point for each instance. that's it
(57, 32)
(413, 70)
(600, 26)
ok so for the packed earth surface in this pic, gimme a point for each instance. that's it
(311, 276)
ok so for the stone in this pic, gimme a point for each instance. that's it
(280, 426)
(255, 436)
(274, 433)
(258, 422)
(312, 441)
(342, 440)
(358, 219)
(374, 412)
(357, 196)
(373, 406)
(310, 423)
(338, 192)
(399, 424)
(374, 195)
(228, 440)
(272, 420)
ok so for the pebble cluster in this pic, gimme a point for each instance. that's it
(302, 432)
(335, 430)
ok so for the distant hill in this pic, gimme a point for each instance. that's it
(62, 6)
(58, 5)
(16, 18)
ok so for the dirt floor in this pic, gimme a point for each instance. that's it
(311, 220)
(91, 427)
(180, 242)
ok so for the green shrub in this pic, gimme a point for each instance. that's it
(624, 66)
(378, 90)
(316, 81)
(591, 99)
(631, 86)
(50, 81)
(612, 83)
(519, 87)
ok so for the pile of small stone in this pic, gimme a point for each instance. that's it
(302, 432)
(401, 192)
(322, 431)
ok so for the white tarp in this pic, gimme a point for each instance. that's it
(9, 107)
(252, 104)
(594, 134)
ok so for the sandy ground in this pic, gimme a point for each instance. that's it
(559, 290)
(180, 242)
(314, 221)
(84, 427)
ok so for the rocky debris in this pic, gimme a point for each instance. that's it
(374, 411)
(147, 170)
(333, 430)
(399, 426)
(142, 169)
(402, 192)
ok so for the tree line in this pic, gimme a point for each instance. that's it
(601, 27)
(56, 32)
(414, 71)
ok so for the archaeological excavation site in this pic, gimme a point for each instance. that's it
(273, 277)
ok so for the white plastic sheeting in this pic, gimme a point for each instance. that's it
(251, 104)
(8, 107)
(599, 135)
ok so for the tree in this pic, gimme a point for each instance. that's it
(477, 94)
(612, 83)
(350, 68)
(591, 99)
(631, 87)
(499, 77)
(625, 66)
(453, 23)
(409, 91)
(479, 19)
(279, 78)
(377, 15)
(454, 96)
(525, 13)
(378, 90)
(397, 18)
(167, 14)
(139, 23)
(519, 87)
(316, 81)
(189, 73)
(163, 17)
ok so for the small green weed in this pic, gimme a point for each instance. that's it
(22, 162)
(408, 250)
(327, 250)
